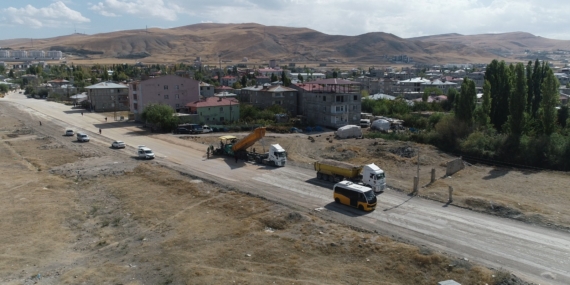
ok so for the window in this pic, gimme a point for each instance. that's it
(176, 87)
(279, 102)
(165, 96)
(177, 105)
(221, 119)
(165, 87)
(134, 96)
(134, 87)
(339, 98)
(324, 98)
(355, 97)
(176, 96)
(221, 108)
(118, 90)
(136, 106)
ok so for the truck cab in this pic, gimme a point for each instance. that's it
(374, 177)
(277, 155)
(144, 152)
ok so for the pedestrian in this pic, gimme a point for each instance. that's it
(105, 119)
(40, 123)
(81, 113)
(235, 155)
(99, 131)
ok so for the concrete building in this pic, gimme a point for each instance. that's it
(330, 102)
(171, 90)
(478, 77)
(308, 76)
(267, 96)
(214, 110)
(19, 54)
(4, 53)
(206, 90)
(108, 97)
(36, 54)
(54, 54)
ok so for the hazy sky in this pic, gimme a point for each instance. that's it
(403, 18)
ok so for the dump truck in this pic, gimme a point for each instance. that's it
(231, 146)
(335, 171)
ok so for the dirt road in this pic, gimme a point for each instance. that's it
(538, 254)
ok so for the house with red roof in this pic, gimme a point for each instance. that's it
(215, 110)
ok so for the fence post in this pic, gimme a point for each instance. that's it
(416, 182)
(450, 195)
(432, 175)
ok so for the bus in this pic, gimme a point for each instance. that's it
(354, 195)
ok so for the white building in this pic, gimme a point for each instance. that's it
(54, 54)
(4, 53)
(19, 54)
(36, 54)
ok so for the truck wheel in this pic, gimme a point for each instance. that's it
(360, 208)
(319, 175)
(337, 201)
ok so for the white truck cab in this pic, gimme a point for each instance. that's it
(144, 152)
(277, 155)
(374, 177)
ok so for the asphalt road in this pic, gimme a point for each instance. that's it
(536, 254)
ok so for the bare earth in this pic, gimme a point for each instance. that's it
(75, 213)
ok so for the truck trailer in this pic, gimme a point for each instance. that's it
(335, 171)
(231, 146)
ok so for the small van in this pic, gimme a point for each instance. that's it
(354, 195)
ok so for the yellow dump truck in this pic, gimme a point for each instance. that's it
(336, 171)
(231, 146)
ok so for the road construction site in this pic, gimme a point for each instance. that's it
(83, 213)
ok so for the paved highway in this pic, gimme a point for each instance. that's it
(533, 253)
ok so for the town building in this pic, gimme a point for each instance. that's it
(206, 90)
(108, 97)
(267, 96)
(330, 102)
(215, 110)
(171, 90)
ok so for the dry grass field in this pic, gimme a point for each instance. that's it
(74, 214)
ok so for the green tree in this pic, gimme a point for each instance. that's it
(300, 77)
(499, 76)
(2, 70)
(549, 94)
(539, 74)
(4, 89)
(236, 85)
(486, 105)
(466, 102)
(335, 74)
(161, 115)
(11, 73)
(286, 81)
(517, 103)
(431, 91)
(243, 81)
(273, 77)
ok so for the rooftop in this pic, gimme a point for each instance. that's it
(106, 85)
(213, 102)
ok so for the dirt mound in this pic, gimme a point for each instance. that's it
(87, 168)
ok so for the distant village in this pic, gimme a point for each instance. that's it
(199, 93)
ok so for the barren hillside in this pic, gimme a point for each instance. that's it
(236, 41)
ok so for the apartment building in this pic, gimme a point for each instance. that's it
(108, 97)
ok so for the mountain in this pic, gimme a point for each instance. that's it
(233, 42)
(512, 45)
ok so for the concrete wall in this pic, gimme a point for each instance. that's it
(454, 166)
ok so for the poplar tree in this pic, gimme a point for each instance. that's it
(517, 102)
(465, 105)
(549, 94)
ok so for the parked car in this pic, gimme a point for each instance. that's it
(206, 129)
(182, 131)
(81, 137)
(118, 144)
(69, 132)
(195, 128)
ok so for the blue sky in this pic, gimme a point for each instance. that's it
(409, 18)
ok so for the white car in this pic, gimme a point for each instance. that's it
(144, 152)
(118, 144)
(206, 129)
(81, 137)
(69, 132)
